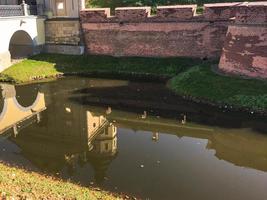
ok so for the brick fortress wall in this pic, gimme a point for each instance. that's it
(237, 31)
(173, 31)
(245, 48)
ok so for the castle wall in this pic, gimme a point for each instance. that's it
(236, 32)
(63, 35)
(191, 39)
(62, 31)
(173, 31)
(245, 48)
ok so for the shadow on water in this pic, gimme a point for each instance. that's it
(95, 131)
(157, 100)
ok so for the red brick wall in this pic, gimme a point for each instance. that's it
(178, 31)
(245, 51)
(191, 39)
(245, 48)
(174, 31)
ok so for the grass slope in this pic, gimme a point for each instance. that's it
(47, 65)
(201, 82)
(19, 184)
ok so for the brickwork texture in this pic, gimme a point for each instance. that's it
(236, 32)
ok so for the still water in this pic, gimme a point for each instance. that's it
(135, 138)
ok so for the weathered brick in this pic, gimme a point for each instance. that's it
(220, 10)
(132, 13)
(180, 12)
(245, 51)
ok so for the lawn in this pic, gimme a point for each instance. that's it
(50, 65)
(202, 83)
(20, 184)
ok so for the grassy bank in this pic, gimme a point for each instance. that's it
(50, 65)
(189, 77)
(19, 184)
(200, 82)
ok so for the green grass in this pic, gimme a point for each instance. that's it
(17, 183)
(47, 65)
(201, 82)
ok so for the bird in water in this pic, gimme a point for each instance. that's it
(108, 111)
(144, 115)
(184, 119)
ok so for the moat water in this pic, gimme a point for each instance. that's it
(135, 138)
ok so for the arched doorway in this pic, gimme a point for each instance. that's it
(21, 45)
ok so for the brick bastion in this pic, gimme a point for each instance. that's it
(234, 32)
(245, 47)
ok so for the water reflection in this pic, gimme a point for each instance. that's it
(15, 116)
(107, 146)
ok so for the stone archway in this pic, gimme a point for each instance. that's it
(21, 45)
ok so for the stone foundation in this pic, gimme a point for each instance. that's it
(63, 31)
(64, 49)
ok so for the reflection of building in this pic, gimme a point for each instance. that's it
(106, 140)
(63, 138)
(155, 136)
(94, 123)
(104, 146)
(15, 115)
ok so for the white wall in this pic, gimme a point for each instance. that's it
(34, 26)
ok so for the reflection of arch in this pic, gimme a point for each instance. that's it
(21, 45)
(26, 96)
(31, 107)
(4, 109)
(14, 113)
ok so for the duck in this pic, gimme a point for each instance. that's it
(144, 116)
(155, 136)
(68, 110)
(184, 120)
(108, 111)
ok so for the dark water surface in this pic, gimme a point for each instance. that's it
(135, 138)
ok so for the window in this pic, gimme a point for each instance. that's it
(106, 146)
(61, 7)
